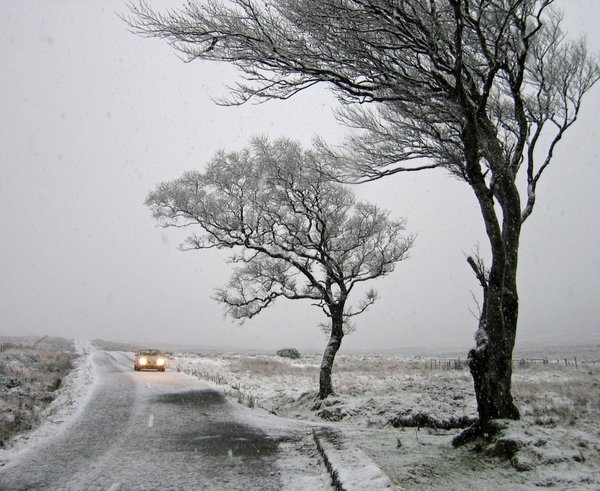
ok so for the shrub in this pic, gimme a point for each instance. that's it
(292, 353)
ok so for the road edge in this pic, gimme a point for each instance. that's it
(350, 468)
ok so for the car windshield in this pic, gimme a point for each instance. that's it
(149, 352)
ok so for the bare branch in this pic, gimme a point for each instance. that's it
(478, 267)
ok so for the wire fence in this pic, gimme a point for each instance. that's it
(6, 346)
(445, 363)
(462, 363)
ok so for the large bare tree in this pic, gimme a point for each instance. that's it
(297, 234)
(483, 88)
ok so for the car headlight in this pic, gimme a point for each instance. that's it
(160, 362)
(142, 361)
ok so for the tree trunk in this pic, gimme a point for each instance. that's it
(490, 361)
(335, 340)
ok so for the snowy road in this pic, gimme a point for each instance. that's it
(167, 431)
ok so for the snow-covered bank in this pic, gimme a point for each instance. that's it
(69, 399)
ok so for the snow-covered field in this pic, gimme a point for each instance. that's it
(404, 415)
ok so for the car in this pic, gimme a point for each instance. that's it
(150, 359)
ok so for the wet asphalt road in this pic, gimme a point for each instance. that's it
(164, 431)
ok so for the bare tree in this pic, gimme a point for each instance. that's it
(297, 234)
(483, 88)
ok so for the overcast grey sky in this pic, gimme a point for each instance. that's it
(94, 117)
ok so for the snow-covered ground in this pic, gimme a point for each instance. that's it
(404, 415)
